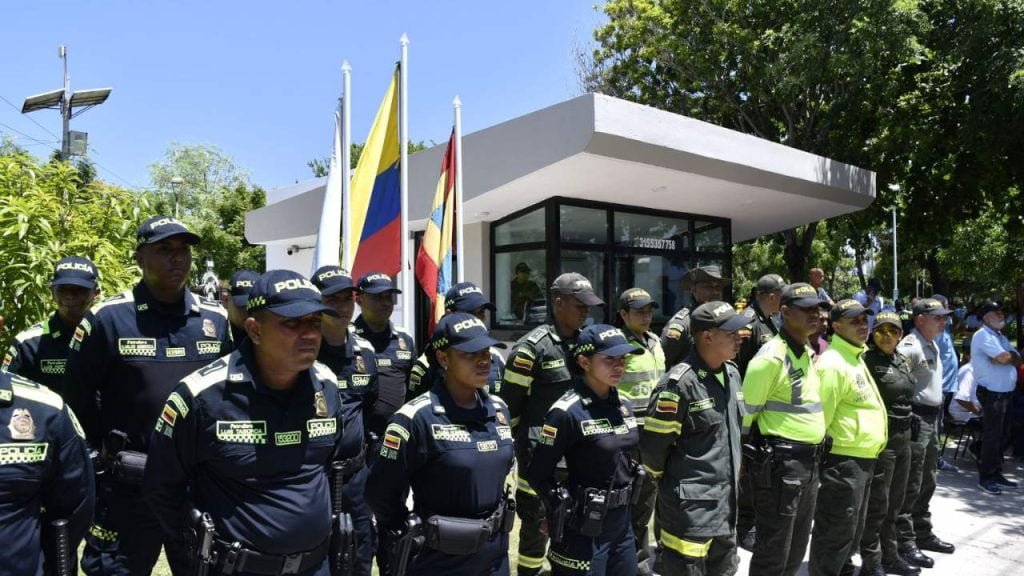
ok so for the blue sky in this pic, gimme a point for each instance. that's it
(260, 79)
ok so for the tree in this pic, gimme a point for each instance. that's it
(319, 166)
(46, 213)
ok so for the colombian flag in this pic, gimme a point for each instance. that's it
(375, 199)
(434, 261)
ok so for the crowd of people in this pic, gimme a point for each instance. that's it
(276, 432)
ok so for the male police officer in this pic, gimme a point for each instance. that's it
(787, 429)
(235, 300)
(705, 283)
(352, 359)
(914, 525)
(463, 297)
(523, 291)
(126, 357)
(41, 352)
(691, 441)
(393, 346)
(45, 477)
(535, 377)
(248, 440)
(856, 420)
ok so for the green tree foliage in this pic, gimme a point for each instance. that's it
(46, 213)
(319, 166)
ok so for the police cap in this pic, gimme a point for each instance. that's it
(75, 271)
(710, 273)
(574, 284)
(466, 297)
(716, 314)
(848, 308)
(604, 339)
(159, 228)
(932, 307)
(462, 331)
(635, 299)
(376, 283)
(332, 279)
(240, 284)
(800, 294)
(287, 294)
(888, 317)
(770, 283)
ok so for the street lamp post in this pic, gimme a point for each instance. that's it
(176, 183)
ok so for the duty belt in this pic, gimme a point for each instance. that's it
(232, 558)
(614, 498)
(927, 411)
(350, 466)
(462, 536)
(794, 448)
(899, 423)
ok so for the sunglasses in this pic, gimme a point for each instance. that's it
(888, 332)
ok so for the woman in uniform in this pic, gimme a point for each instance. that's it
(889, 368)
(589, 517)
(453, 448)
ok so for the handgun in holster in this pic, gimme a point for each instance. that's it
(199, 534)
(59, 556)
(343, 531)
(402, 544)
(561, 508)
(636, 487)
(122, 464)
(758, 454)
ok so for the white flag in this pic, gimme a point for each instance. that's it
(328, 237)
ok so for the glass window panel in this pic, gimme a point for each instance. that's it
(586, 225)
(527, 228)
(520, 296)
(651, 232)
(708, 236)
(654, 273)
(591, 265)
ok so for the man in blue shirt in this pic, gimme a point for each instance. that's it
(994, 362)
(950, 368)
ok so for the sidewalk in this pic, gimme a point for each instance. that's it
(988, 530)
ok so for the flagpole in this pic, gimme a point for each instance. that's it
(457, 220)
(346, 161)
(403, 139)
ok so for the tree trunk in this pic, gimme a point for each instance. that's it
(939, 283)
(860, 267)
(797, 250)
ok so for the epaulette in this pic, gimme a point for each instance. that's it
(34, 331)
(537, 334)
(207, 376)
(677, 371)
(410, 409)
(323, 372)
(360, 342)
(211, 306)
(566, 401)
(29, 390)
(126, 297)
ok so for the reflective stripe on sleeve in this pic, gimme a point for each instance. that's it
(523, 486)
(662, 426)
(690, 548)
(518, 379)
(654, 473)
(530, 562)
(634, 377)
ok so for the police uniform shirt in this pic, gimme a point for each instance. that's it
(676, 339)
(595, 436)
(536, 376)
(131, 350)
(40, 353)
(894, 380)
(394, 349)
(355, 367)
(45, 473)
(691, 442)
(424, 375)
(762, 330)
(455, 459)
(254, 458)
(926, 366)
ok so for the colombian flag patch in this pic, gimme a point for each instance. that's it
(549, 432)
(392, 441)
(169, 415)
(522, 362)
(667, 406)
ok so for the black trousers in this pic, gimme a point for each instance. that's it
(785, 491)
(125, 537)
(888, 488)
(995, 431)
(840, 512)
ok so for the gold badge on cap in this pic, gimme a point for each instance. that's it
(320, 402)
(22, 427)
(209, 329)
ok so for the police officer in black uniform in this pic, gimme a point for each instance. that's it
(45, 477)
(235, 300)
(352, 360)
(41, 352)
(126, 356)
(393, 346)
(453, 448)
(463, 297)
(705, 283)
(596, 433)
(537, 374)
(249, 440)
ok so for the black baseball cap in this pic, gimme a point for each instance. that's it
(240, 285)
(376, 283)
(332, 279)
(888, 317)
(466, 297)
(523, 267)
(635, 299)
(287, 294)
(770, 283)
(160, 228)
(709, 273)
(75, 271)
(985, 308)
(716, 314)
(931, 307)
(577, 285)
(604, 339)
(848, 308)
(800, 294)
(462, 331)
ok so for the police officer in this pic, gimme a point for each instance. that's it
(855, 420)
(463, 297)
(691, 443)
(705, 283)
(914, 524)
(392, 345)
(786, 432)
(45, 476)
(537, 375)
(523, 291)
(235, 299)
(41, 352)
(453, 447)
(248, 440)
(878, 550)
(126, 356)
(596, 433)
(636, 310)
(352, 360)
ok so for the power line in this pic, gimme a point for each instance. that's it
(13, 129)
(33, 120)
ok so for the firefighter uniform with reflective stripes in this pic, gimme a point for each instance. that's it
(40, 353)
(762, 329)
(423, 376)
(536, 376)
(781, 397)
(691, 444)
(45, 475)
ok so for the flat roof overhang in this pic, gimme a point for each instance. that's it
(596, 147)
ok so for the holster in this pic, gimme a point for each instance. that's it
(456, 536)
(128, 466)
(400, 545)
(560, 509)
(199, 534)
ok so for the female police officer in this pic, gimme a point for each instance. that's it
(453, 447)
(596, 433)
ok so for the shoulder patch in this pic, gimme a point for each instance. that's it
(410, 409)
(566, 401)
(126, 297)
(29, 390)
(34, 331)
(212, 306)
(205, 377)
(324, 373)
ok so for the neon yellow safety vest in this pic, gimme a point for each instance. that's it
(642, 373)
(781, 393)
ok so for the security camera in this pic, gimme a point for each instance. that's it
(293, 249)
